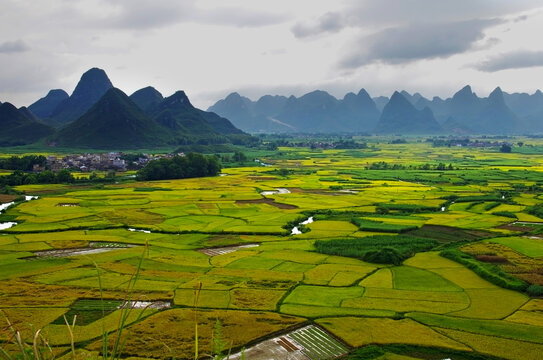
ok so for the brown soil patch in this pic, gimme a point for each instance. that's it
(206, 206)
(269, 202)
(516, 228)
(6, 198)
(494, 259)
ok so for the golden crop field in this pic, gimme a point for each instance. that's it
(406, 258)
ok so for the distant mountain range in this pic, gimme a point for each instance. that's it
(100, 116)
(403, 113)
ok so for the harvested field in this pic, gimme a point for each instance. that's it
(513, 227)
(93, 248)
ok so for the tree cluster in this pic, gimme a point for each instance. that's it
(179, 167)
(23, 163)
(19, 177)
(382, 165)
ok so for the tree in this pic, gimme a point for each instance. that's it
(46, 177)
(180, 167)
(505, 148)
(239, 157)
(64, 176)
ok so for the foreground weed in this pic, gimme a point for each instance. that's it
(120, 341)
(197, 290)
(40, 349)
(217, 343)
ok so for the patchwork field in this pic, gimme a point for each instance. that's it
(367, 270)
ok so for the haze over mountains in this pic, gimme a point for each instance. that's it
(319, 112)
(100, 116)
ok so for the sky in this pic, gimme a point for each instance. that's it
(209, 48)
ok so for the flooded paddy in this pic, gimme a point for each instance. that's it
(225, 250)
(308, 343)
(93, 248)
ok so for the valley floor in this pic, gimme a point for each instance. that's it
(216, 255)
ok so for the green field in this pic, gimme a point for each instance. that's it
(215, 248)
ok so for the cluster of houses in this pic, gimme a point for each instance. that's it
(99, 162)
(466, 142)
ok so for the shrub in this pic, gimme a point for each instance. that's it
(367, 352)
(505, 214)
(369, 225)
(383, 256)
(535, 290)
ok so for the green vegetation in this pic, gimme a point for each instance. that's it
(378, 226)
(367, 269)
(381, 249)
(180, 167)
(487, 271)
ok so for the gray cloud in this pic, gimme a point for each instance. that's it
(145, 14)
(142, 14)
(16, 46)
(414, 42)
(329, 22)
(240, 17)
(512, 60)
(389, 13)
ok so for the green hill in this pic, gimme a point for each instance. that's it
(93, 85)
(190, 125)
(147, 99)
(401, 117)
(20, 127)
(114, 122)
(44, 107)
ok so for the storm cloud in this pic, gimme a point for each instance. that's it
(209, 47)
(415, 42)
(512, 60)
(16, 46)
(329, 22)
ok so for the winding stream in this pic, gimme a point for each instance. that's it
(7, 225)
(296, 231)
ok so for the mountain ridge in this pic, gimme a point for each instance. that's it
(463, 113)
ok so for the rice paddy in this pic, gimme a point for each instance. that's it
(217, 248)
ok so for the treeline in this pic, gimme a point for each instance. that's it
(19, 177)
(23, 163)
(382, 165)
(488, 272)
(180, 167)
(64, 176)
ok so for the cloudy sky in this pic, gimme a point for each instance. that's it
(210, 48)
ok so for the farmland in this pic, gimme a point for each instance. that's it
(367, 271)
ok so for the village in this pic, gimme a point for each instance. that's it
(89, 162)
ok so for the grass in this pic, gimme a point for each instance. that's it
(370, 225)
(495, 346)
(171, 333)
(386, 331)
(322, 296)
(526, 246)
(504, 303)
(409, 278)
